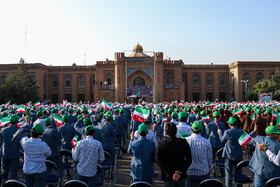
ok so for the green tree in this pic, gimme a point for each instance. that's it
(266, 86)
(19, 86)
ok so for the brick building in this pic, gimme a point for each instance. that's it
(165, 79)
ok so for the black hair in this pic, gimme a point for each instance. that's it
(89, 132)
(14, 123)
(182, 119)
(170, 129)
(34, 134)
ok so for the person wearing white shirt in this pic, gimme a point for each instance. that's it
(183, 129)
(150, 135)
(201, 152)
(275, 159)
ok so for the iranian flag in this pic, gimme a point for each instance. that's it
(74, 140)
(253, 117)
(21, 109)
(205, 118)
(210, 105)
(276, 116)
(278, 121)
(28, 104)
(37, 104)
(164, 118)
(244, 139)
(238, 112)
(106, 105)
(7, 104)
(64, 103)
(58, 120)
(4, 121)
(81, 103)
(140, 114)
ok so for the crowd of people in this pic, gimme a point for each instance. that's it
(182, 138)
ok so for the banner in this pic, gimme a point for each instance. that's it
(265, 97)
(140, 91)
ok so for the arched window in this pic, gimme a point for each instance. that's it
(68, 82)
(271, 74)
(54, 82)
(3, 79)
(139, 81)
(196, 80)
(209, 80)
(259, 76)
(223, 80)
(81, 82)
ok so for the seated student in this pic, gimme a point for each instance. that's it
(144, 152)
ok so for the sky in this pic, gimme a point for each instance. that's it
(63, 32)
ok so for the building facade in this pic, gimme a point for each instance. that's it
(153, 77)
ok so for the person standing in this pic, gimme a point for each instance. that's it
(183, 129)
(9, 151)
(260, 164)
(35, 153)
(201, 151)
(173, 157)
(233, 152)
(143, 150)
(53, 138)
(88, 153)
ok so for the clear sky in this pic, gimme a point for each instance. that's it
(60, 32)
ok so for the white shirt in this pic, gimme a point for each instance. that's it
(275, 159)
(35, 153)
(88, 152)
(201, 155)
(40, 121)
(182, 127)
(150, 136)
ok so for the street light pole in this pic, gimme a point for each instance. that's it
(246, 84)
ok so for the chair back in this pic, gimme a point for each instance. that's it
(140, 184)
(51, 165)
(242, 164)
(14, 183)
(273, 182)
(75, 183)
(65, 152)
(220, 153)
(211, 182)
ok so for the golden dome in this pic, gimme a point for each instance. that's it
(138, 48)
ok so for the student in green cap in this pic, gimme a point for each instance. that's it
(259, 124)
(268, 117)
(150, 135)
(183, 127)
(195, 116)
(201, 151)
(88, 153)
(53, 138)
(10, 152)
(260, 164)
(233, 152)
(174, 117)
(144, 152)
(34, 167)
(109, 135)
(40, 118)
(246, 120)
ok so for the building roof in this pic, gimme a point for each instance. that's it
(138, 51)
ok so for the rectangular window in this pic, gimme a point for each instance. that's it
(81, 97)
(209, 96)
(196, 96)
(54, 98)
(222, 96)
(68, 97)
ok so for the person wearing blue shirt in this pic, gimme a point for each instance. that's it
(212, 133)
(260, 164)
(233, 152)
(9, 151)
(53, 138)
(109, 135)
(144, 153)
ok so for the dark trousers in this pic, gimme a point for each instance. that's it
(59, 163)
(229, 168)
(195, 180)
(35, 180)
(90, 181)
(9, 167)
(172, 183)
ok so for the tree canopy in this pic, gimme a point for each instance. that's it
(20, 87)
(265, 86)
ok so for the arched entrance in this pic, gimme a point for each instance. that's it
(139, 81)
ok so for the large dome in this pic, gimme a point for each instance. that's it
(138, 48)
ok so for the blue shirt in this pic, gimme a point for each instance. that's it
(142, 164)
(35, 153)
